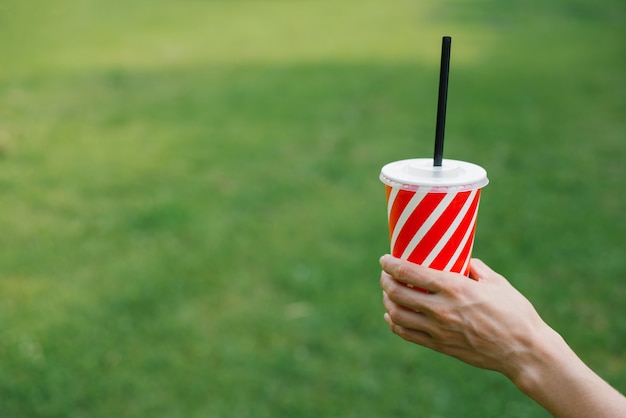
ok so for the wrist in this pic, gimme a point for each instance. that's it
(545, 354)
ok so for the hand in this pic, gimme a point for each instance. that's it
(487, 323)
(484, 322)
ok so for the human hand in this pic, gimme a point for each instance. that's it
(485, 322)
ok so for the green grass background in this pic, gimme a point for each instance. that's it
(191, 217)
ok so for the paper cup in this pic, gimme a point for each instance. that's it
(432, 211)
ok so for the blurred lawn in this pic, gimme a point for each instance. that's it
(191, 217)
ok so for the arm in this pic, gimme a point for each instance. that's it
(487, 323)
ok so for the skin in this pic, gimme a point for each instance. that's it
(487, 323)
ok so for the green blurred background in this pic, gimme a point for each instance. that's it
(191, 217)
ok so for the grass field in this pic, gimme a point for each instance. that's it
(191, 217)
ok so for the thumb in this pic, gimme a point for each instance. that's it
(481, 271)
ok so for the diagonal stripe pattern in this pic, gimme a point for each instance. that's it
(433, 229)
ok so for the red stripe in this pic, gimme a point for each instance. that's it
(402, 199)
(465, 254)
(439, 228)
(388, 191)
(415, 221)
(447, 252)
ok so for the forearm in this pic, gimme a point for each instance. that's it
(557, 379)
(485, 322)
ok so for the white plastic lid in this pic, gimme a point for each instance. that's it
(419, 173)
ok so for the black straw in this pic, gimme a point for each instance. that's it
(443, 99)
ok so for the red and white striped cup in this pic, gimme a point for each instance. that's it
(432, 211)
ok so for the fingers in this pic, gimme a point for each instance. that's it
(415, 336)
(407, 318)
(402, 295)
(413, 274)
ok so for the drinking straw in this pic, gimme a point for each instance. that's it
(444, 71)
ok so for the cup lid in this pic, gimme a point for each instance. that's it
(419, 173)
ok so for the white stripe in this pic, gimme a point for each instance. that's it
(457, 253)
(390, 201)
(432, 218)
(451, 229)
(408, 210)
(468, 259)
(469, 254)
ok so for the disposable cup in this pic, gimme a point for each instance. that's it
(432, 211)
